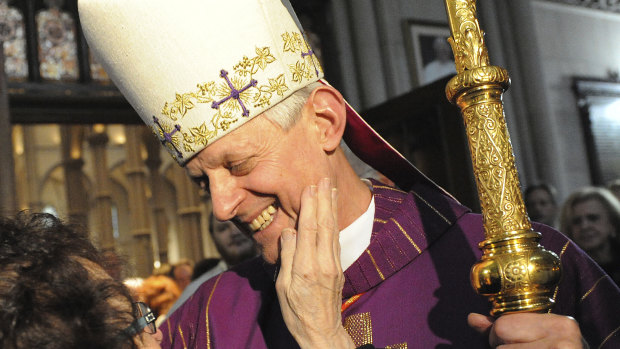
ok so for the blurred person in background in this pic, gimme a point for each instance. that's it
(159, 292)
(55, 292)
(591, 217)
(541, 203)
(181, 273)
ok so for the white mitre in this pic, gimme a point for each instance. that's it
(195, 70)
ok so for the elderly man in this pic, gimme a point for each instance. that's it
(234, 92)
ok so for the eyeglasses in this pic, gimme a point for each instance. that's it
(145, 319)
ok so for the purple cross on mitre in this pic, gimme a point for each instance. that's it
(234, 93)
(168, 136)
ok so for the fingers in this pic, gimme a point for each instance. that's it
(336, 235)
(479, 322)
(307, 228)
(288, 245)
(326, 225)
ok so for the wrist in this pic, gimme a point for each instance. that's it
(339, 340)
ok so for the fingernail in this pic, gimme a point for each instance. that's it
(288, 234)
(334, 193)
(313, 190)
(325, 183)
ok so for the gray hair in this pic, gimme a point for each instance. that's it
(287, 112)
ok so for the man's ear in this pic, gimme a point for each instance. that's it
(328, 108)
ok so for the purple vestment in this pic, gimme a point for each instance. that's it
(414, 277)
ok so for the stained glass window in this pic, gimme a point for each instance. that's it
(57, 44)
(12, 35)
(96, 70)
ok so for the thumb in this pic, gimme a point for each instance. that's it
(479, 322)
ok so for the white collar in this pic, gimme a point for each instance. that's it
(356, 237)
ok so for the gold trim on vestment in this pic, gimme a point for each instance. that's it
(182, 338)
(432, 208)
(608, 337)
(593, 287)
(372, 259)
(406, 235)
(557, 288)
(207, 310)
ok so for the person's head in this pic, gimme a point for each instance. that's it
(591, 217)
(181, 272)
(232, 244)
(55, 293)
(541, 203)
(246, 112)
(159, 292)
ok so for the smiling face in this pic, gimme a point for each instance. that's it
(256, 175)
(591, 225)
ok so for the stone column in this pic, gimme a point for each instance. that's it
(8, 195)
(140, 215)
(189, 212)
(77, 198)
(153, 162)
(206, 207)
(98, 140)
(32, 174)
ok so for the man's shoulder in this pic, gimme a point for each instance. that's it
(248, 280)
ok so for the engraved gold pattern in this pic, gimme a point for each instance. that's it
(608, 337)
(397, 346)
(372, 259)
(585, 295)
(359, 327)
(406, 235)
(467, 39)
(432, 208)
(208, 335)
(515, 272)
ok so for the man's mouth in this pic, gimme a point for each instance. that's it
(263, 220)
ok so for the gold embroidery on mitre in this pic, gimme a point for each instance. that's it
(397, 346)
(359, 327)
(307, 65)
(230, 97)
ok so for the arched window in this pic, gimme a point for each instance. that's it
(12, 34)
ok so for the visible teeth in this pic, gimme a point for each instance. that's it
(264, 219)
(254, 225)
(266, 215)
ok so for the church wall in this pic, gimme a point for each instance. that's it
(574, 42)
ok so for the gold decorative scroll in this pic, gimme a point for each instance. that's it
(515, 272)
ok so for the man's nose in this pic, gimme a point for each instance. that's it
(225, 196)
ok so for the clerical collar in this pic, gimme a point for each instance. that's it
(356, 237)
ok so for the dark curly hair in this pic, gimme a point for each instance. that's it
(49, 295)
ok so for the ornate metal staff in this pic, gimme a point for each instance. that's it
(516, 273)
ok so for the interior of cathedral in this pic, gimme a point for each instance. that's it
(72, 146)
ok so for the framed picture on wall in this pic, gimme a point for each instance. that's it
(428, 51)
